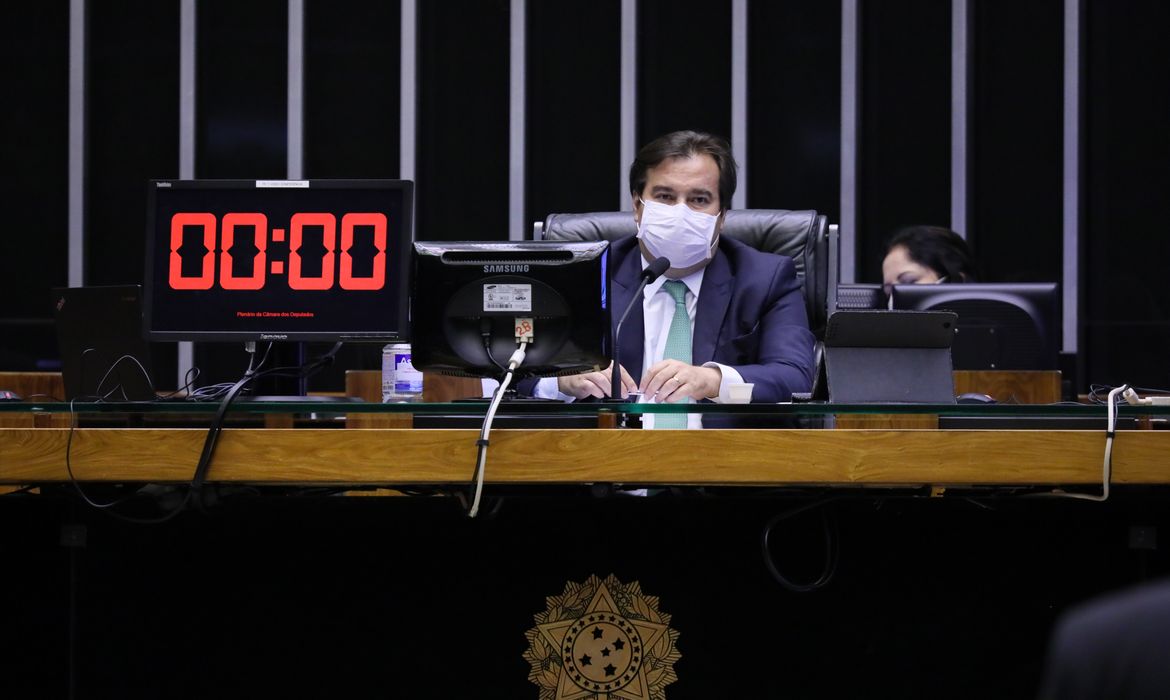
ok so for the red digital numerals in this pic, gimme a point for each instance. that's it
(378, 279)
(227, 277)
(296, 233)
(254, 278)
(206, 277)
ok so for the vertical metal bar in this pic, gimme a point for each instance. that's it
(516, 120)
(296, 89)
(187, 90)
(739, 88)
(186, 356)
(1071, 213)
(408, 90)
(960, 113)
(850, 102)
(629, 99)
(76, 259)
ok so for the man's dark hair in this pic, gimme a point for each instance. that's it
(685, 144)
(938, 248)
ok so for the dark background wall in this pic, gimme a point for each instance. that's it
(35, 51)
(351, 79)
(315, 596)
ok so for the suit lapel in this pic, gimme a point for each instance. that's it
(633, 337)
(714, 296)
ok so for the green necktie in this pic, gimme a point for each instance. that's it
(678, 346)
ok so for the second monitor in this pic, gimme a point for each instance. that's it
(468, 299)
(1002, 326)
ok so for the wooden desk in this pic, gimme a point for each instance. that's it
(1006, 386)
(711, 457)
(1011, 386)
(31, 386)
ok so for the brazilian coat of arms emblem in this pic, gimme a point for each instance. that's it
(602, 640)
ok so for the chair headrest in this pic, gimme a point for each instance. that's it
(798, 234)
(780, 231)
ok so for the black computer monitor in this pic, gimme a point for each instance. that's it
(1000, 326)
(251, 260)
(468, 299)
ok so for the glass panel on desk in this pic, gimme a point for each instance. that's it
(552, 414)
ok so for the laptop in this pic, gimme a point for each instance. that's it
(103, 352)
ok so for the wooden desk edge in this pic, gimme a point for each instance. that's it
(709, 457)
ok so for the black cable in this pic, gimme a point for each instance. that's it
(77, 485)
(305, 371)
(195, 490)
(263, 359)
(73, 427)
(69, 464)
(102, 507)
(215, 392)
(198, 479)
(149, 381)
(487, 346)
(485, 332)
(189, 378)
(832, 550)
(99, 396)
(1096, 391)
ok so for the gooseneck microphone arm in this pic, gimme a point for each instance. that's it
(652, 272)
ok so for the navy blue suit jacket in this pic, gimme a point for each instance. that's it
(750, 316)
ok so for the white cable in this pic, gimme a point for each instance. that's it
(1107, 462)
(481, 461)
(1131, 397)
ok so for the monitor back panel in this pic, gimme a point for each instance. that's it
(890, 357)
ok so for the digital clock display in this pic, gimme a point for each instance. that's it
(256, 260)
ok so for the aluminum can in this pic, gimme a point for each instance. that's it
(400, 380)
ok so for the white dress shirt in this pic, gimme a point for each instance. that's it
(658, 313)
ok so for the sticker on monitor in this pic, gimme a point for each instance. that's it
(507, 297)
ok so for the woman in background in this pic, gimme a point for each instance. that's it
(926, 255)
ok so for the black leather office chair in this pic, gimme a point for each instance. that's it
(804, 236)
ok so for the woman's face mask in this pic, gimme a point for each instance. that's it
(678, 233)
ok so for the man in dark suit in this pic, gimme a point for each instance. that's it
(745, 310)
(1116, 647)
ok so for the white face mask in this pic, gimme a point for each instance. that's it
(678, 233)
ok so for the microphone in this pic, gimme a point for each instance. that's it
(652, 272)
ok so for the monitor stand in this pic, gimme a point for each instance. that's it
(292, 354)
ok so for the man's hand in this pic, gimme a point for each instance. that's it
(671, 381)
(595, 384)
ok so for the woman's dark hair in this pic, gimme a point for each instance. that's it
(938, 248)
(684, 144)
